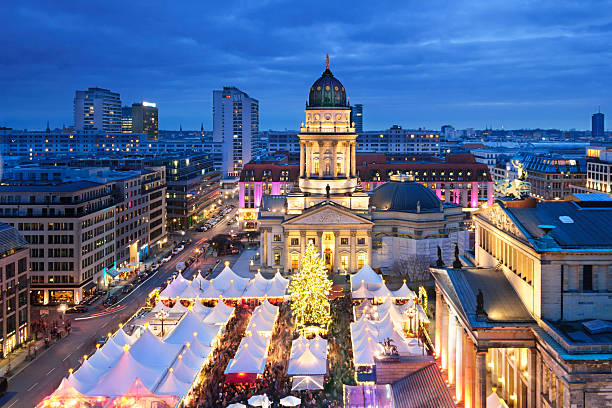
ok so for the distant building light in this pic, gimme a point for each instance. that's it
(149, 104)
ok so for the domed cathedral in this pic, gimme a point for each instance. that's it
(328, 207)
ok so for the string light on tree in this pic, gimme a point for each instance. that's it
(310, 289)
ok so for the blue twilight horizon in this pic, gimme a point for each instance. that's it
(479, 64)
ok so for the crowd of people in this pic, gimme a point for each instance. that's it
(213, 391)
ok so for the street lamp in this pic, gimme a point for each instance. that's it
(161, 316)
(62, 309)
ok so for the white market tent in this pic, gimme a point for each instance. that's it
(219, 314)
(362, 292)
(121, 338)
(183, 372)
(300, 383)
(88, 374)
(226, 277)
(366, 275)
(175, 287)
(178, 307)
(171, 385)
(151, 351)
(200, 310)
(365, 350)
(159, 307)
(308, 357)
(189, 326)
(404, 292)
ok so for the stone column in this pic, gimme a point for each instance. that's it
(264, 249)
(302, 161)
(320, 238)
(308, 147)
(538, 380)
(347, 160)
(444, 336)
(321, 164)
(353, 163)
(437, 336)
(481, 380)
(336, 252)
(573, 278)
(532, 376)
(452, 332)
(601, 284)
(287, 264)
(334, 159)
(353, 258)
(459, 362)
(468, 370)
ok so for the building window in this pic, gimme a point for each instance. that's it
(277, 258)
(344, 262)
(295, 262)
(360, 241)
(277, 237)
(295, 241)
(344, 241)
(312, 241)
(587, 278)
(360, 260)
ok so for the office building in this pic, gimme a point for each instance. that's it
(145, 119)
(126, 119)
(235, 128)
(552, 176)
(97, 109)
(530, 321)
(357, 117)
(599, 169)
(396, 140)
(597, 125)
(15, 287)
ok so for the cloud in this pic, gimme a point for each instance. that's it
(523, 63)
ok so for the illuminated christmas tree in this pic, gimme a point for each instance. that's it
(309, 290)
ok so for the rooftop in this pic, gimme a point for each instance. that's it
(62, 187)
(10, 240)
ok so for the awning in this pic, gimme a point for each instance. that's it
(89, 286)
(113, 272)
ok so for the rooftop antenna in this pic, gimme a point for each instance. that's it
(326, 61)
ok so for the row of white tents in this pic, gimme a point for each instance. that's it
(251, 356)
(161, 367)
(367, 284)
(307, 363)
(369, 332)
(228, 284)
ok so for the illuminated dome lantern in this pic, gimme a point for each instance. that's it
(327, 91)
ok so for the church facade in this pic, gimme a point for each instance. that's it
(329, 208)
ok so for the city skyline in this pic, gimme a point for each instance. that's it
(470, 65)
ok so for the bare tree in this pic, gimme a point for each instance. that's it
(413, 268)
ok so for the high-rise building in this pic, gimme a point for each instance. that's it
(97, 109)
(126, 119)
(357, 117)
(235, 127)
(597, 125)
(145, 119)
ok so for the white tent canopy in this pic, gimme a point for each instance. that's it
(189, 325)
(219, 314)
(306, 382)
(121, 338)
(404, 292)
(366, 275)
(151, 351)
(171, 385)
(307, 363)
(225, 278)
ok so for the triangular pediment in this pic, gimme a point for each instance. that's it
(502, 219)
(327, 214)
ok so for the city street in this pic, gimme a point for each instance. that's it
(43, 375)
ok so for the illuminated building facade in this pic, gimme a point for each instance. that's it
(145, 119)
(537, 333)
(321, 200)
(97, 109)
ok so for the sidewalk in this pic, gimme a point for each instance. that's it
(21, 357)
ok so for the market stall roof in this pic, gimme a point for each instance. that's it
(112, 350)
(365, 349)
(382, 292)
(246, 361)
(178, 307)
(220, 314)
(151, 351)
(183, 372)
(277, 289)
(118, 380)
(139, 391)
(232, 291)
(78, 385)
(366, 275)
(159, 306)
(200, 310)
(88, 374)
(211, 292)
(306, 382)
(307, 363)
(362, 292)
(101, 361)
(191, 358)
(190, 292)
(175, 287)
(223, 280)
(189, 325)
(200, 282)
(121, 338)
(404, 292)
(65, 392)
(171, 385)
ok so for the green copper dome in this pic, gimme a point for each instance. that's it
(327, 92)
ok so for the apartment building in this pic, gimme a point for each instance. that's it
(15, 287)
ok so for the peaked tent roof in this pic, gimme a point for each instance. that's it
(404, 292)
(220, 314)
(171, 385)
(190, 324)
(366, 275)
(307, 363)
(362, 292)
(121, 338)
(151, 351)
(223, 280)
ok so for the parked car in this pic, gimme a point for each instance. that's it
(167, 258)
(77, 309)
(101, 341)
(200, 229)
(154, 267)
